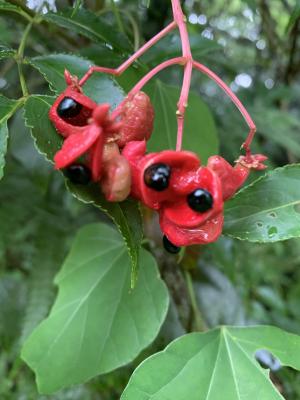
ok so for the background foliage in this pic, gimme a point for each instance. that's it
(253, 45)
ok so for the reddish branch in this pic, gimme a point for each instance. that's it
(188, 63)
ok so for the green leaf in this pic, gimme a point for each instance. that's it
(6, 52)
(100, 87)
(7, 108)
(5, 6)
(268, 210)
(96, 324)
(86, 23)
(126, 215)
(49, 252)
(200, 135)
(47, 141)
(213, 365)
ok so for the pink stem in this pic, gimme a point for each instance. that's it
(182, 104)
(154, 71)
(118, 71)
(235, 100)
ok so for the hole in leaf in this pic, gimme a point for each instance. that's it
(259, 224)
(272, 231)
(297, 208)
(267, 361)
(273, 215)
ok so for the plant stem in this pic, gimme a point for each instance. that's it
(187, 61)
(180, 20)
(117, 15)
(135, 30)
(199, 322)
(20, 56)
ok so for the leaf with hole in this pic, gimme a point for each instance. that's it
(200, 134)
(97, 323)
(205, 366)
(268, 210)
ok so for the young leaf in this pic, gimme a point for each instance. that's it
(100, 87)
(126, 215)
(86, 23)
(200, 135)
(7, 108)
(96, 324)
(213, 365)
(268, 210)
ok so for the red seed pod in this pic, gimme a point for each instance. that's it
(71, 111)
(137, 116)
(116, 180)
(232, 178)
(187, 196)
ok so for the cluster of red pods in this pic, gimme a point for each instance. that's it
(109, 148)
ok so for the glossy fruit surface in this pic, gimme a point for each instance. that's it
(200, 200)
(157, 177)
(169, 246)
(68, 108)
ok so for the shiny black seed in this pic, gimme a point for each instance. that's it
(170, 247)
(78, 174)
(200, 200)
(157, 177)
(68, 108)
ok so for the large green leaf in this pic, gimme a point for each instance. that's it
(126, 215)
(200, 135)
(219, 364)
(89, 25)
(268, 210)
(7, 108)
(96, 324)
(6, 52)
(100, 87)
